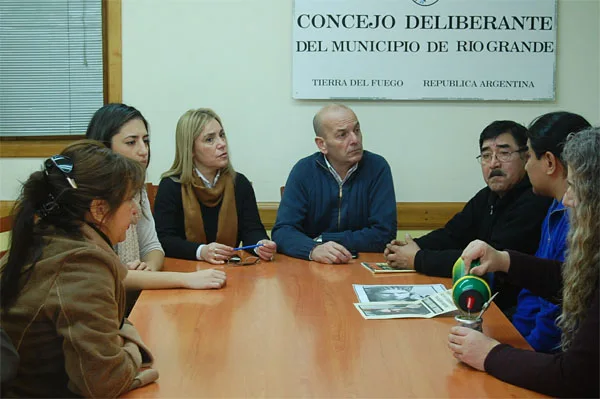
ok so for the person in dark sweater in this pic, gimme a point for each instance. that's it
(574, 371)
(506, 214)
(338, 200)
(203, 208)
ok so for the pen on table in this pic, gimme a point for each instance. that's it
(248, 247)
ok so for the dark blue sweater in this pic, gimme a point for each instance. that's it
(361, 215)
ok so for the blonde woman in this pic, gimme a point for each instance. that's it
(203, 208)
(124, 130)
(574, 371)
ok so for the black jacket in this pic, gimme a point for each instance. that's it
(511, 222)
(170, 224)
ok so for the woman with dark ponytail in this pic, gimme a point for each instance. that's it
(62, 294)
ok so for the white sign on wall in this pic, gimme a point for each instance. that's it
(424, 49)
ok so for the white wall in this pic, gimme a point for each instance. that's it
(235, 57)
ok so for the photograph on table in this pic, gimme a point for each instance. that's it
(394, 310)
(396, 293)
(431, 306)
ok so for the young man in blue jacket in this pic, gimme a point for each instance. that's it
(535, 317)
(338, 200)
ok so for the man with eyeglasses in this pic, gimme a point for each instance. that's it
(506, 214)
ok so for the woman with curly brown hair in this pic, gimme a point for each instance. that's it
(574, 371)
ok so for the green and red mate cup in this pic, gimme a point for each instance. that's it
(469, 293)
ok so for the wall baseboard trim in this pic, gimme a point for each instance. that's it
(411, 215)
(426, 215)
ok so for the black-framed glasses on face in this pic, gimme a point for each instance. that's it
(64, 164)
(502, 156)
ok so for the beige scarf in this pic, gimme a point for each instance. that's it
(223, 192)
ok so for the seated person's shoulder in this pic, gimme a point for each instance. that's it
(529, 195)
(243, 186)
(240, 178)
(482, 195)
(169, 187)
(171, 181)
(538, 202)
(374, 160)
(526, 197)
(93, 255)
(309, 161)
(307, 167)
(88, 259)
(85, 244)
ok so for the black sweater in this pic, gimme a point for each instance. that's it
(511, 222)
(573, 373)
(170, 226)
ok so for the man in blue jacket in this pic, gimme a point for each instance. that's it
(338, 200)
(535, 317)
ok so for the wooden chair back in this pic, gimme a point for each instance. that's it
(6, 223)
(151, 189)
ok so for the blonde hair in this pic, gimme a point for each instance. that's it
(582, 266)
(189, 128)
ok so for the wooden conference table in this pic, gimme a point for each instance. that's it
(288, 328)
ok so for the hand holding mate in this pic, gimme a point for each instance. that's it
(470, 346)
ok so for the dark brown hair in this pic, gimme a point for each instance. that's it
(48, 200)
(109, 119)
